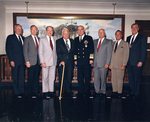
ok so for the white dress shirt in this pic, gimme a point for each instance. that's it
(34, 39)
(48, 38)
(134, 37)
(68, 42)
(99, 41)
(20, 37)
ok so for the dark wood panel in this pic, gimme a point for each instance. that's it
(6, 73)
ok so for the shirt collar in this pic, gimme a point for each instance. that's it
(135, 35)
(118, 41)
(17, 35)
(33, 36)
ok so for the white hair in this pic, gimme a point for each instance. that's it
(65, 29)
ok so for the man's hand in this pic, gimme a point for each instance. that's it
(62, 63)
(91, 61)
(123, 67)
(12, 63)
(110, 66)
(106, 66)
(75, 62)
(139, 64)
(28, 64)
(43, 65)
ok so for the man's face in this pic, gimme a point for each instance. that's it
(80, 31)
(134, 29)
(118, 36)
(18, 30)
(49, 31)
(65, 34)
(101, 33)
(34, 31)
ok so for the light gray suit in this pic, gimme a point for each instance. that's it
(102, 57)
(50, 58)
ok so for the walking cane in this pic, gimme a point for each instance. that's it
(62, 79)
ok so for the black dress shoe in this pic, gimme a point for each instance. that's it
(46, 95)
(120, 95)
(51, 94)
(114, 95)
(96, 94)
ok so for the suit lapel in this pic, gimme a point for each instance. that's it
(16, 39)
(32, 42)
(63, 44)
(136, 39)
(104, 42)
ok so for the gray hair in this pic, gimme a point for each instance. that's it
(65, 29)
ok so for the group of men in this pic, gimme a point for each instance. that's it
(82, 52)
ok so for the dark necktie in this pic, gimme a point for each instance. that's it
(99, 46)
(20, 40)
(116, 47)
(67, 45)
(132, 40)
(36, 43)
(51, 43)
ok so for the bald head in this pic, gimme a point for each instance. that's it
(101, 33)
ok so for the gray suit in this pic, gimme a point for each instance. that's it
(31, 55)
(30, 51)
(102, 57)
(48, 56)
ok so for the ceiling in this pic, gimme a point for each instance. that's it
(104, 1)
(99, 6)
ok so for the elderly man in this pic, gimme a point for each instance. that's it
(83, 59)
(48, 60)
(14, 50)
(65, 56)
(119, 60)
(30, 49)
(102, 58)
(137, 54)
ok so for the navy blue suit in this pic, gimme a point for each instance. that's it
(137, 54)
(68, 57)
(83, 54)
(14, 50)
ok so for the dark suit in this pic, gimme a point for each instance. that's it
(31, 56)
(83, 54)
(14, 50)
(68, 57)
(137, 53)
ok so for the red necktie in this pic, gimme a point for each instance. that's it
(99, 46)
(51, 43)
(36, 43)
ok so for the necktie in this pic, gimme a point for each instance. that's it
(67, 45)
(20, 39)
(132, 40)
(80, 38)
(51, 43)
(36, 43)
(99, 46)
(116, 47)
